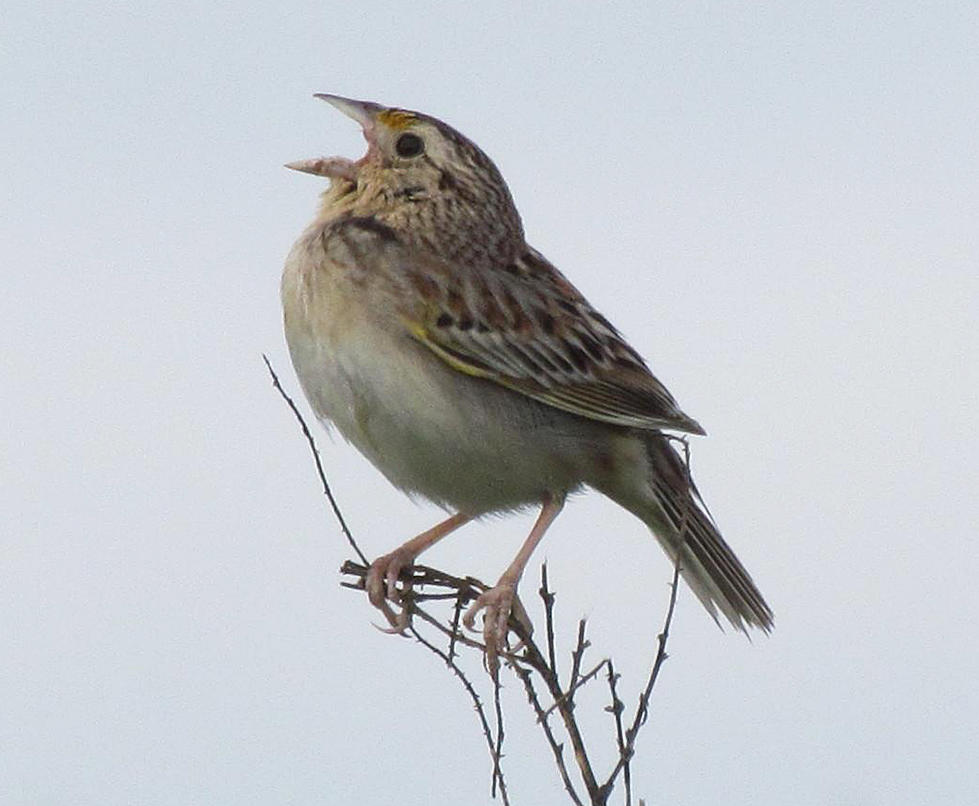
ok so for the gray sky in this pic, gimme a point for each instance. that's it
(777, 206)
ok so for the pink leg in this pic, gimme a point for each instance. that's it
(382, 576)
(498, 601)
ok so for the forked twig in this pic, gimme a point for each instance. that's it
(568, 696)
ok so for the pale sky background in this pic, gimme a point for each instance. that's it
(778, 206)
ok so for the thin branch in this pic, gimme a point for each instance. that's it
(498, 750)
(556, 748)
(316, 458)
(421, 576)
(454, 628)
(549, 675)
(567, 696)
(661, 655)
(616, 708)
(576, 657)
(642, 709)
(460, 637)
(548, 597)
(465, 589)
(487, 733)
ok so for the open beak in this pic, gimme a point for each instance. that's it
(361, 111)
(339, 167)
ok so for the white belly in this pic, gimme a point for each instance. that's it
(436, 432)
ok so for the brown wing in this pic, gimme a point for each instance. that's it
(526, 327)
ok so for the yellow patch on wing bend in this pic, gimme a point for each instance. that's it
(396, 118)
(420, 332)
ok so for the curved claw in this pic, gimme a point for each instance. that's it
(498, 602)
(399, 623)
(381, 581)
(382, 578)
(381, 586)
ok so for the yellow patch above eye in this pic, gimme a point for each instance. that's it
(396, 118)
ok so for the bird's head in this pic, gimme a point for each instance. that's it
(418, 169)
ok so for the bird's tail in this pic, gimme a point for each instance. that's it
(669, 503)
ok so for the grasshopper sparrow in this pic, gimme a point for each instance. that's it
(469, 371)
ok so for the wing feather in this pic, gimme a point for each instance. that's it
(527, 328)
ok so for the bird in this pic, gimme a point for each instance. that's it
(471, 373)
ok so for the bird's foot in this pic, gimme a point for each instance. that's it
(499, 602)
(381, 584)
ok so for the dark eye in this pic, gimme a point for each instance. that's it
(409, 145)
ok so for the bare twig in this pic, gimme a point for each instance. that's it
(627, 750)
(642, 709)
(549, 674)
(478, 705)
(498, 749)
(548, 599)
(556, 748)
(316, 458)
(616, 708)
(454, 628)
(581, 681)
(576, 657)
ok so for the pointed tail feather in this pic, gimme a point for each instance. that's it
(668, 502)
